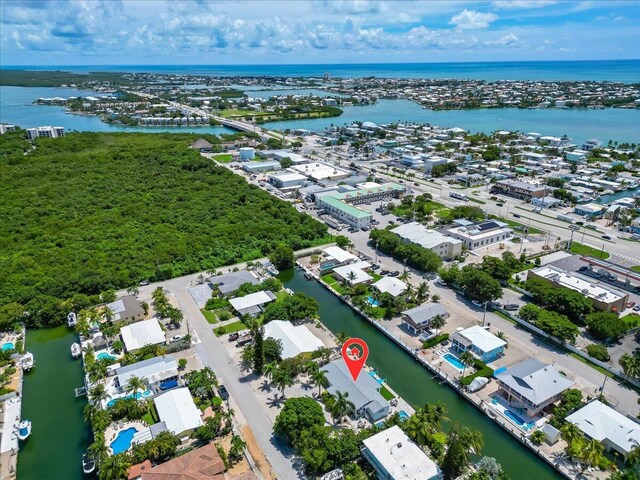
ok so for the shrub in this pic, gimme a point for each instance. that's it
(224, 315)
(537, 437)
(482, 370)
(220, 330)
(438, 339)
(599, 352)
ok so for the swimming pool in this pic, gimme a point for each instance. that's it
(122, 443)
(518, 420)
(373, 302)
(453, 360)
(105, 356)
(403, 415)
(8, 346)
(138, 396)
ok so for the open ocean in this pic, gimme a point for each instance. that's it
(627, 71)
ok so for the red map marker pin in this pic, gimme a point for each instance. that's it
(354, 354)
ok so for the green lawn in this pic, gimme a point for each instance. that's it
(223, 157)
(514, 224)
(209, 315)
(632, 320)
(376, 276)
(151, 417)
(636, 268)
(230, 328)
(580, 249)
(333, 283)
(386, 394)
(475, 200)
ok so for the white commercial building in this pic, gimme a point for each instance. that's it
(5, 127)
(481, 234)
(178, 411)
(321, 171)
(601, 422)
(394, 456)
(431, 162)
(287, 180)
(417, 234)
(137, 335)
(294, 339)
(45, 132)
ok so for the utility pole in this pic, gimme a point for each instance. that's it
(484, 315)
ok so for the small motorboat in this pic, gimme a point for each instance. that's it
(27, 361)
(88, 463)
(76, 350)
(24, 429)
(308, 275)
(72, 319)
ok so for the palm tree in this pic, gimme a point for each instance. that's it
(408, 291)
(437, 323)
(467, 359)
(341, 406)
(472, 439)
(418, 428)
(570, 433)
(270, 369)
(107, 314)
(98, 450)
(435, 413)
(422, 292)
(282, 378)
(247, 357)
(134, 384)
(237, 446)
(351, 276)
(319, 379)
(98, 393)
(435, 298)
(630, 365)
(591, 453)
(342, 337)
(405, 275)
(114, 467)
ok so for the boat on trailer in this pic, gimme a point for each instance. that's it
(76, 350)
(72, 319)
(88, 463)
(24, 429)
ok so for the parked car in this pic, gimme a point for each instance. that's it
(416, 184)
(495, 304)
(375, 267)
(384, 272)
(606, 237)
(441, 282)
(395, 273)
(233, 336)
(176, 338)
(583, 268)
(631, 304)
(500, 204)
(516, 215)
(144, 283)
(511, 307)
(477, 303)
(224, 394)
(636, 308)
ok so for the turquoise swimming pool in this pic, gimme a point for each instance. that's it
(137, 396)
(105, 356)
(8, 346)
(373, 302)
(453, 360)
(122, 443)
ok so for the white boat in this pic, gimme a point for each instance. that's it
(72, 319)
(24, 429)
(27, 361)
(76, 350)
(88, 463)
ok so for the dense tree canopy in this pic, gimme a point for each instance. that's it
(566, 302)
(414, 255)
(91, 212)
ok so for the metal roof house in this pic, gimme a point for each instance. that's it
(482, 343)
(294, 339)
(178, 411)
(137, 335)
(616, 431)
(532, 385)
(152, 371)
(126, 308)
(418, 318)
(394, 456)
(363, 393)
(230, 282)
(252, 304)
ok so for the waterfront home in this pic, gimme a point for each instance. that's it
(415, 233)
(294, 339)
(590, 210)
(134, 472)
(603, 296)
(601, 422)
(354, 273)
(157, 373)
(480, 342)
(253, 303)
(126, 309)
(363, 393)
(394, 456)
(230, 282)
(336, 257)
(577, 156)
(140, 334)
(178, 411)
(419, 318)
(531, 386)
(390, 285)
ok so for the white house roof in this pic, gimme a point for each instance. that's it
(390, 285)
(357, 269)
(481, 338)
(295, 340)
(421, 235)
(251, 300)
(177, 410)
(339, 254)
(601, 422)
(399, 456)
(139, 334)
(157, 368)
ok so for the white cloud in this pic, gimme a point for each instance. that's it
(469, 19)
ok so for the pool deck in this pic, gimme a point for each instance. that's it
(114, 429)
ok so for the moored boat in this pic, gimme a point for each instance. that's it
(27, 361)
(72, 319)
(24, 429)
(88, 463)
(76, 350)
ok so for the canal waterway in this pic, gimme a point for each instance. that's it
(60, 435)
(415, 383)
(622, 125)
(617, 195)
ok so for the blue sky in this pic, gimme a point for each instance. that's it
(118, 32)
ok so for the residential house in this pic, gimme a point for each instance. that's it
(178, 411)
(390, 285)
(228, 283)
(419, 318)
(531, 386)
(158, 373)
(354, 273)
(126, 309)
(253, 303)
(293, 339)
(140, 334)
(480, 342)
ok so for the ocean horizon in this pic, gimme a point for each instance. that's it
(626, 71)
